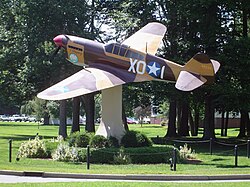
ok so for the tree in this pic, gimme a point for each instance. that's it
(75, 114)
(90, 111)
(63, 119)
(171, 131)
(184, 128)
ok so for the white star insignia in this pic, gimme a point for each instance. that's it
(153, 69)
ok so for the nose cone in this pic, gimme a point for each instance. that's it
(60, 40)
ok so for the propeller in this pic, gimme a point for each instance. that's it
(54, 53)
(60, 42)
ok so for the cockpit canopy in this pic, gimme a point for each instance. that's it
(123, 51)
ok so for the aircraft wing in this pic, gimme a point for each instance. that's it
(148, 38)
(85, 81)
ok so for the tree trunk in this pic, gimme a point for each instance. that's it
(179, 106)
(226, 124)
(63, 119)
(76, 112)
(184, 129)
(196, 120)
(244, 19)
(191, 122)
(222, 132)
(171, 132)
(248, 124)
(90, 112)
(124, 119)
(243, 121)
(46, 119)
(209, 119)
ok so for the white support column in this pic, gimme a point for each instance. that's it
(111, 122)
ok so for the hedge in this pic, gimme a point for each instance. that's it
(140, 155)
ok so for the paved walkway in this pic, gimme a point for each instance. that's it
(37, 177)
(22, 179)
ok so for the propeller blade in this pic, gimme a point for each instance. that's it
(55, 53)
(66, 36)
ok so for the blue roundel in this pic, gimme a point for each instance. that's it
(73, 58)
(62, 89)
(153, 69)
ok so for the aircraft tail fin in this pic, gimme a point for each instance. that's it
(199, 70)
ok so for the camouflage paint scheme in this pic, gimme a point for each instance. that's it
(109, 65)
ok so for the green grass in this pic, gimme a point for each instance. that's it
(151, 130)
(221, 162)
(129, 184)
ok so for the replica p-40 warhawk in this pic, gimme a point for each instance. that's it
(133, 60)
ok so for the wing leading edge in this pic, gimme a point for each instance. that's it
(83, 82)
(148, 38)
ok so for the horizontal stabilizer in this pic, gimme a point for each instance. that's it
(216, 65)
(189, 81)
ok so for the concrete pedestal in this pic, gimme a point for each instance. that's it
(111, 122)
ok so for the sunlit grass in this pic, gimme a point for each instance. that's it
(221, 162)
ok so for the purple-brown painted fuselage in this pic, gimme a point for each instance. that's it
(108, 65)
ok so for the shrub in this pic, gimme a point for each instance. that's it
(121, 157)
(78, 139)
(150, 155)
(135, 139)
(187, 153)
(113, 142)
(164, 122)
(139, 155)
(52, 144)
(103, 156)
(65, 153)
(50, 147)
(99, 141)
(32, 149)
(82, 154)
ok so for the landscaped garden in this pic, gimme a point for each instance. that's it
(107, 158)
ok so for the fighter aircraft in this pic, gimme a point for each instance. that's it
(133, 60)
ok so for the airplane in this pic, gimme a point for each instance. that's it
(133, 60)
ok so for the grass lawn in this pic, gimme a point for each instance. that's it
(221, 162)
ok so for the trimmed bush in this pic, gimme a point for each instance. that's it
(66, 153)
(50, 147)
(113, 142)
(32, 149)
(150, 155)
(78, 139)
(140, 155)
(99, 141)
(135, 139)
(103, 156)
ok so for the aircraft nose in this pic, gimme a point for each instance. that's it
(60, 40)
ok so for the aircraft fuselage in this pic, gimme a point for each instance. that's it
(115, 56)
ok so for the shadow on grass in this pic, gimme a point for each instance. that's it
(17, 125)
(148, 126)
(28, 125)
(219, 159)
(24, 137)
(232, 166)
(228, 165)
(219, 144)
